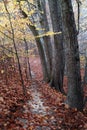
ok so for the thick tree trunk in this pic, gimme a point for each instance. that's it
(75, 93)
(47, 41)
(58, 55)
(85, 75)
(41, 53)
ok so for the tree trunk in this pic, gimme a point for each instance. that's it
(85, 75)
(41, 52)
(58, 55)
(47, 41)
(75, 93)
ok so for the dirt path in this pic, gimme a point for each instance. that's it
(38, 111)
(42, 108)
(46, 109)
(37, 104)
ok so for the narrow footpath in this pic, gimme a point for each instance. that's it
(41, 114)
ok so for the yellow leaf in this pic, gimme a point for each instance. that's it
(31, 12)
(49, 34)
(2, 71)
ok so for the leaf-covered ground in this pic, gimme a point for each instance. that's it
(42, 108)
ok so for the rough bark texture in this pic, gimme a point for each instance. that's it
(41, 53)
(47, 42)
(85, 75)
(58, 61)
(75, 93)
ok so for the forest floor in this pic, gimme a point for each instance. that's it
(42, 108)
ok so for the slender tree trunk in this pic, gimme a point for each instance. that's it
(58, 60)
(38, 42)
(46, 39)
(28, 68)
(75, 93)
(41, 52)
(16, 52)
(5, 65)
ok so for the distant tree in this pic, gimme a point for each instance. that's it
(35, 33)
(41, 52)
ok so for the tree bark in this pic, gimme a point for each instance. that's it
(41, 52)
(75, 92)
(58, 55)
(47, 41)
(85, 75)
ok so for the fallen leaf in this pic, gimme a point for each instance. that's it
(1, 99)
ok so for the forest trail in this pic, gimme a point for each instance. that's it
(37, 103)
(43, 108)
(39, 110)
(47, 108)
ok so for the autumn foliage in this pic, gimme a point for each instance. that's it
(16, 112)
